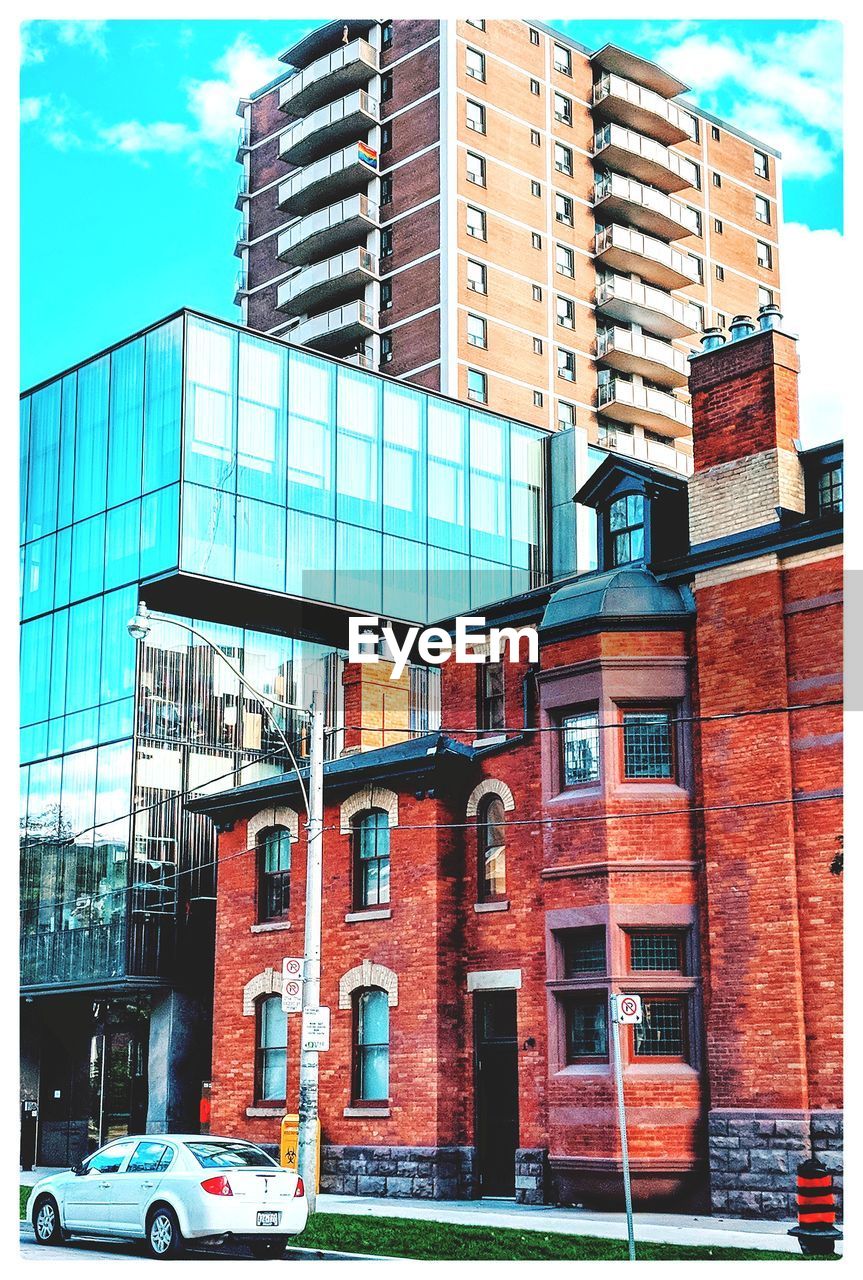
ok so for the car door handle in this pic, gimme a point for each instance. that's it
(148, 1185)
(104, 1185)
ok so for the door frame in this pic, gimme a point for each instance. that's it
(480, 994)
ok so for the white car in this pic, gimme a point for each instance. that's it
(170, 1189)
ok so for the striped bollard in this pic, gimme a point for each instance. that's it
(816, 1210)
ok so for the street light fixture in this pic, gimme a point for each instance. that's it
(139, 628)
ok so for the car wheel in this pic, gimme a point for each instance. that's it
(272, 1247)
(164, 1238)
(46, 1221)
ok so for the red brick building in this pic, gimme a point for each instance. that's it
(654, 807)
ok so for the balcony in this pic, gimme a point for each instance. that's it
(327, 232)
(651, 358)
(349, 67)
(243, 142)
(326, 39)
(242, 190)
(629, 402)
(363, 358)
(626, 300)
(624, 249)
(649, 75)
(643, 158)
(242, 238)
(617, 197)
(338, 330)
(663, 455)
(329, 128)
(241, 286)
(332, 178)
(626, 103)
(326, 283)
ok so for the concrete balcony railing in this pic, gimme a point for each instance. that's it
(625, 249)
(242, 238)
(643, 158)
(664, 455)
(363, 358)
(329, 128)
(328, 231)
(337, 330)
(651, 358)
(630, 104)
(630, 302)
(628, 402)
(241, 286)
(349, 67)
(333, 178)
(618, 197)
(326, 283)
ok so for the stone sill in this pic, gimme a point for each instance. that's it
(356, 1113)
(264, 1112)
(356, 917)
(482, 907)
(270, 926)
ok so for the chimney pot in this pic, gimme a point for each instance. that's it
(769, 316)
(741, 327)
(712, 338)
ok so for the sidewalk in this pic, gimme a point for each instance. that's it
(664, 1228)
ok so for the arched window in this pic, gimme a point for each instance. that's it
(371, 840)
(371, 1045)
(274, 873)
(271, 1065)
(491, 832)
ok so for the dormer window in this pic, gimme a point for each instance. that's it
(830, 491)
(626, 530)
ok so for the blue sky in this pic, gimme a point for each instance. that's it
(128, 139)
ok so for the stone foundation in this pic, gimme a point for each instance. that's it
(531, 1167)
(421, 1173)
(754, 1157)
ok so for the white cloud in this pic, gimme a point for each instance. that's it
(134, 137)
(36, 38)
(808, 259)
(90, 34)
(31, 109)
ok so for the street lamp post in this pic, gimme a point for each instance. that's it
(139, 628)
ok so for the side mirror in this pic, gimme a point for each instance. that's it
(80, 1169)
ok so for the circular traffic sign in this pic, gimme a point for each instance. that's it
(628, 1006)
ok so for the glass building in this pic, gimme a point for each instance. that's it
(260, 491)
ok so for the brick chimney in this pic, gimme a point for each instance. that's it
(377, 708)
(745, 419)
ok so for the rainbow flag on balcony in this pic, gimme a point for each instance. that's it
(367, 154)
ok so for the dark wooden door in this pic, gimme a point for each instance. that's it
(496, 1091)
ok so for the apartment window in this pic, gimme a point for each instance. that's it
(714, 133)
(696, 181)
(479, 23)
(536, 239)
(721, 319)
(584, 951)
(762, 209)
(564, 260)
(562, 60)
(830, 491)
(477, 386)
(272, 1051)
(580, 748)
(474, 64)
(491, 841)
(476, 223)
(475, 116)
(371, 841)
(694, 129)
(537, 293)
(764, 254)
(563, 108)
(386, 191)
(386, 242)
(387, 35)
(386, 348)
(274, 873)
(663, 1031)
(386, 137)
(566, 365)
(536, 189)
(720, 272)
(563, 208)
(535, 138)
(765, 296)
(762, 164)
(371, 1047)
(477, 277)
(534, 87)
(565, 414)
(565, 312)
(717, 226)
(656, 951)
(648, 750)
(534, 35)
(717, 180)
(699, 311)
(386, 295)
(698, 263)
(626, 530)
(537, 399)
(475, 169)
(563, 158)
(537, 346)
(477, 329)
(386, 87)
(490, 689)
(587, 1028)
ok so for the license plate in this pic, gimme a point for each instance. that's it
(269, 1219)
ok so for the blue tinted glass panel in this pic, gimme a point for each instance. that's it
(68, 426)
(43, 800)
(404, 584)
(210, 430)
(208, 532)
(260, 544)
(358, 458)
(81, 729)
(163, 400)
(489, 582)
(447, 476)
(404, 462)
(78, 800)
(55, 736)
(311, 394)
(23, 462)
(88, 557)
(527, 474)
(91, 438)
(44, 439)
(33, 742)
(84, 655)
(125, 443)
(489, 488)
(118, 647)
(58, 663)
(160, 522)
(358, 567)
(122, 540)
(311, 556)
(63, 567)
(116, 719)
(262, 428)
(448, 583)
(38, 587)
(35, 663)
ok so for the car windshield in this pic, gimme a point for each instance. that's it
(229, 1155)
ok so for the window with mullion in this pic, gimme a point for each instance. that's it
(274, 857)
(587, 1027)
(492, 850)
(580, 748)
(372, 859)
(371, 1046)
(648, 745)
(626, 530)
(664, 1029)
(272, 1054)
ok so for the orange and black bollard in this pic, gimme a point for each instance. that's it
(816, 1210)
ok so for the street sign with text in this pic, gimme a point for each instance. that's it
(316, 1029)
(292, 984)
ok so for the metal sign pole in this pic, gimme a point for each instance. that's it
(307, 1139)
(621, 1115)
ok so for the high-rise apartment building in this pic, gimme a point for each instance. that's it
(489, 209)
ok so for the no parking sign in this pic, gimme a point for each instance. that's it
(292, 984)
(626, 1009)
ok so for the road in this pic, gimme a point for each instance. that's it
(80, 1250)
